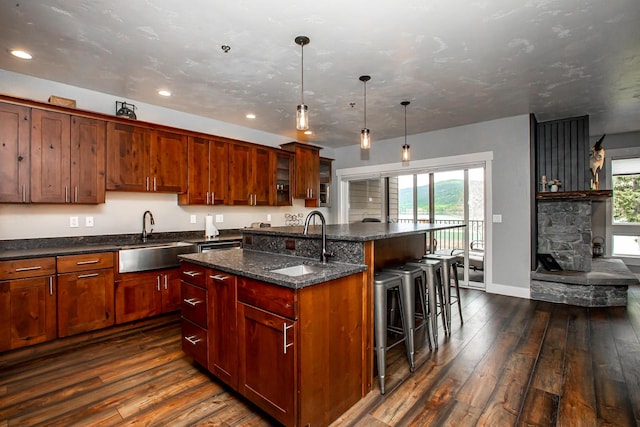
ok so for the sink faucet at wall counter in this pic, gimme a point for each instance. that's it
(323, 254)
(144, 225)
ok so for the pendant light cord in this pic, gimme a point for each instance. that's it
(302, 76)
(365, 104)
(405, 124)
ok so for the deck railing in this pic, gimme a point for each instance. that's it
(454, 238)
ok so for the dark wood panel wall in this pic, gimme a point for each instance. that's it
(562, 152)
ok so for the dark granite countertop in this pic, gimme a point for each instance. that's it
(257, 265)
(359, 231)
(39, 248)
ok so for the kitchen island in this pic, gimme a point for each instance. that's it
(301, 346)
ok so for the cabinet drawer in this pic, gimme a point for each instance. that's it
(273, 298)
(194, 274)
(195, 342)
(194, 303)
(84, 262)
(22, 268)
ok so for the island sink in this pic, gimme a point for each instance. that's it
(297, 270)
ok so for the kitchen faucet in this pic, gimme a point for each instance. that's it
(324, 254)
(144, 225)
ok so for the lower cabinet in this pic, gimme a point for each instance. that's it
(140, 295)
(27, 302)
(85, 293)
(300, 355)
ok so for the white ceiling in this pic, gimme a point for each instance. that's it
(457, 61)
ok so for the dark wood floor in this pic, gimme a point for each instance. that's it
(513, 362)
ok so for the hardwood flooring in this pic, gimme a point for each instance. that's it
(514, 362)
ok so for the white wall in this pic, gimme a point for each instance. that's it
(122, 212)
(508, 140)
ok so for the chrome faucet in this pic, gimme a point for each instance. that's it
(324, 254)
(144, 225)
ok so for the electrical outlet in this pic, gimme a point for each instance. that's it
(268, 217)
(88, 221)
(219, 218)
(497, 218)
(73, 222)
(193, 219)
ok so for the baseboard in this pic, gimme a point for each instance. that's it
(511, 291)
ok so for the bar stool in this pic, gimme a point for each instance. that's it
(449, 268)
(411, 274)
(383, 282)
(431, 271)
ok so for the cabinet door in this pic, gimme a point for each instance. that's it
(219, 172)
(85, 301)
(197, 173)
(222, 291)
(262, 177)
(50, 157)
(170, 289)
(87, 160)
(282, 167)
(27, 312)
(14, 154)
(168, 155)
(240, 162)
(138, 296)
(127, 157)
(307, 177)
(268, 361)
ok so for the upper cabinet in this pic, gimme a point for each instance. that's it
(306, 172)
(325, 181)
(14, 153)
(59, 160)
(208, 173)
(141, 159)
(283, 176)
(249, 175)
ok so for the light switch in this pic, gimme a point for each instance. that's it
(497, 218)
(73, 222)
(193, 219)
(268, 217)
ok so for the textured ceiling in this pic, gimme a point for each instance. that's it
(457, 61)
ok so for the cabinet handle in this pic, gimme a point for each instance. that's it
(86, 276)
(147, 183)
(284, 341)
(158, 279)
(50, 285)
(24, 194)
(76, 195)
(193, 339)
(155, 188)
(37, 267)
(66, 194)
(192, 273)
(166, 285)
(207, 198)
(91, 261)
(219, 277)
(213, 197)
(192, 301)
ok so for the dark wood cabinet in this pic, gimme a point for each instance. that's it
(14, 153)
(325, 181)
(140, 159)
(223, 338)
(208, 172)
(282, 166)
(85, 293)
(249, 175)
(145, 294)
(306, 172)
(195, 312)
(67, 158)
(27, 302)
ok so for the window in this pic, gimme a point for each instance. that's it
(625, 174)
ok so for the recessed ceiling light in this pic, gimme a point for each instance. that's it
(308, 132)
(21, 54)
(164, 92)
(250, 116)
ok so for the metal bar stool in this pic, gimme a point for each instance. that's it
(449, 268)
(431, 270)
(383, 282)
(412, 276)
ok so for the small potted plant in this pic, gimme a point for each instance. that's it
(554, 185)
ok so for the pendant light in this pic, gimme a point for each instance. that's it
(302, 113)
(365, 136)
(405, 148)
